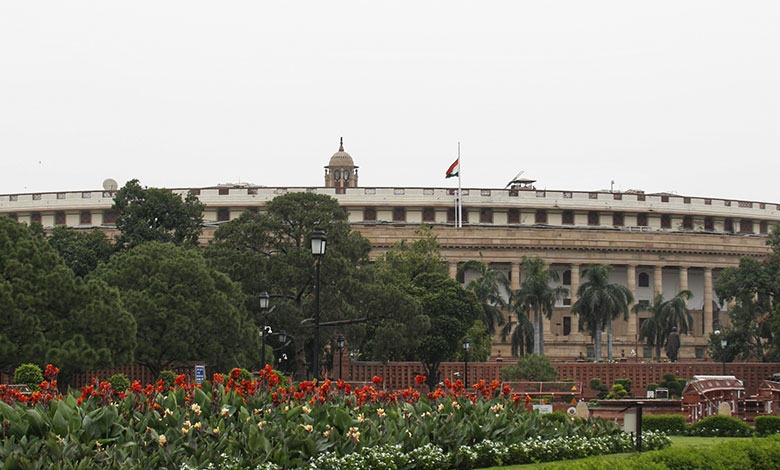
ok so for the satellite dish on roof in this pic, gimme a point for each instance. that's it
(110, 184)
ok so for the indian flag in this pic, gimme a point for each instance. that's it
(454, 169)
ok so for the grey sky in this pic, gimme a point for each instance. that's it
(663, 96)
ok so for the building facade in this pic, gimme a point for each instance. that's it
(655, 242)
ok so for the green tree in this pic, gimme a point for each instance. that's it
(487, 286)
(520, 332)
(481, 343)
(156, 214)
(271, 252)
(531, 368)
(184, 309)
(45, 310)
(598, 303)
(537, 296)
(81, 251)
(665, 315)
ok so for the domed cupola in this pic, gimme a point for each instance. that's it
(341, 171)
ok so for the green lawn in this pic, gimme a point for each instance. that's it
(677, 441)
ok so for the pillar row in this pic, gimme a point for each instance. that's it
(631, 281)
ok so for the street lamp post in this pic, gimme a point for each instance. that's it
(265, 300)
(723, 343)
(340, 346)
(466, 347)
(318, 243)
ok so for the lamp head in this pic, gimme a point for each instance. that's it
(318, 243)
(265, 300)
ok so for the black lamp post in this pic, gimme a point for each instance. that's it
(723, 343)
(340, 346)
(265, 300)
(318, 243)
(466, 347)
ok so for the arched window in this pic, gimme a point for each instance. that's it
(644, 280)
(567, 278)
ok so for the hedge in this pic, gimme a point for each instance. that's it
(766, 425)
(720, 426)
(668, 424)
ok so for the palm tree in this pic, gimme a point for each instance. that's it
(520, 332)
(665, 315)
(487, 288)
(598, 303)
(536, 294)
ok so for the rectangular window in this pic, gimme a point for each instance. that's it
(37, 197)
(746, 226)
(513, 193)
(223, 214)
(593, 218)
(484, 192)
(666, 221)
(686, 200)
(429, 214)
(708, 202)
(567, 302)
(13, 197)
(399, 214)
(647, 352)
(86, 195)
(540, 217)
(688, 222)
(641, 220)
(708, 224)
(761, 205)
(567, 218)
(540, 193)
(728, 225)
(567, 194)
(664, 198)
(617, 219)
(427, 192)
(591, 353)
(727, 203)
(485, 216)
(109, 217)
(399, 191)
(513, 217)
(762, 227)
(224, 191)
(640, 197)
(567, 325)
(61, 195)
(699, 353)
(59, 218)
(451, 215)
(35, 217)
(593, 195)
(369, 191)
(250, 191)
(617, 196)
(369, 214)
(85, 218)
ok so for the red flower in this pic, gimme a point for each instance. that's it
(51, 372)
(377, 380)
(528, 398)
(507, 390)
(219, 379)
(235, 373)
(420, 379)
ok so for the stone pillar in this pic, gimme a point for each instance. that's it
(631, 284)
(515, 282)
(683, 278)
(575, 282)
(658, 280)
(707, 301)
(453, 269)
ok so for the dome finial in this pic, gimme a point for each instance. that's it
(341, 144)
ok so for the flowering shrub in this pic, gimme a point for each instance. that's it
(267, 424)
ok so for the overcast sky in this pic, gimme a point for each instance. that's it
(679, 96)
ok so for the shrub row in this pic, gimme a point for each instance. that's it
(761, 454)
(711, 426)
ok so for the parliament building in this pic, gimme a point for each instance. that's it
(655, 242)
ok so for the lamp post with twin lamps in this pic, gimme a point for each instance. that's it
(466, 347)
(265, 301)
(318, 244)
(340, 347)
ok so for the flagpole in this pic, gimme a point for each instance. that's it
(460, 191)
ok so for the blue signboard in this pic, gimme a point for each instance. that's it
(200, 374)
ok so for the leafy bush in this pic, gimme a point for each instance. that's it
(626, 383)
(651, 387)
(668, 424)
(721, 426)
(532, 367)
(617, 392)
(168, 377)
(557, 417)
(28, 374)
(766, 425)
(595, 384)
(119, 383)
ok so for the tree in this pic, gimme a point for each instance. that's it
(520, 332)
(598, 303)
(184, 309)
(271, 252)
(487, 287)
(45, 310)
(81, 251)
(531, 368)
(665, 315)
(481, 343)
(536, 295)
(156, 214)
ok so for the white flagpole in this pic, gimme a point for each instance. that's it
(460, 192)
